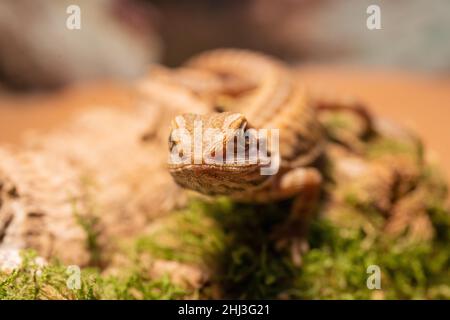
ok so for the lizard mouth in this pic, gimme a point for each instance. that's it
(211, 167)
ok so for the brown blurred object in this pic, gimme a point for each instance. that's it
(421, 103)
(22, 114)
(414, 33)
(189, 27)
(103, 183)
(40, 201)
(117, 39)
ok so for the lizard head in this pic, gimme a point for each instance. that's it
(215, 153)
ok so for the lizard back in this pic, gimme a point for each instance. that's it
(276, 100)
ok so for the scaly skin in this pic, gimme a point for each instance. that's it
(258, 92)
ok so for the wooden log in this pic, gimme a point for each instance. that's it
(70, 193)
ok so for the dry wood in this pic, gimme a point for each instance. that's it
(76, 189)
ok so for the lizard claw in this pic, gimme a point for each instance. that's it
(288, 237)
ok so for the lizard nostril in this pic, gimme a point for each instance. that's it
(219, 108)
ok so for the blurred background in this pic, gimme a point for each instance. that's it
(48, 72)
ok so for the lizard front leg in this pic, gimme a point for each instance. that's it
(305, 183)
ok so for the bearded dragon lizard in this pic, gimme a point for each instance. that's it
(246, 90)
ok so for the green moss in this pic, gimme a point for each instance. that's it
(245, 264)
(89, 220)
(32, 281)
(337, 121)
(89, 224)
(336, 267)
(381, 146)
(185, 236)
(232, 241)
